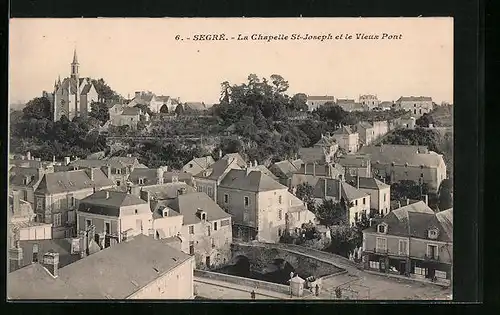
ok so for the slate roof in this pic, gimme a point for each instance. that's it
(341, 101)
(255, 181)
(113, 273)
(61, 246)
(415, 220)
(162, 98)
(326, 141)
(69, 181)
(132, 161)
(17, 175)
(287, 167)
(364, 125)
(344, 130)
(195, 106)
(321, 170)
(414, 99)
(168, 190)
(312, 155)
(204, 161)
(354, 160)
(216, 170)
(332, 189)
(320, 98)
(150, 175)
(108, 207)
(86, 163)
(131, 111)
(385, 104)
(188, 205)
(401, 154)
(372, 183)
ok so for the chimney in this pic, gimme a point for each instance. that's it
(129, 155)
(28, 155)
(328, 170)
(107, 194)
(16, 201)
(83, 244)
(426, 199)
(220, 154)
(145, 195)
(181, 191)
(51, 263)
(407, 201)
(340, 190)
(138, 94)
(159, 175)
(255, 163)
(67, 160)
(399, 204)
(53, 159)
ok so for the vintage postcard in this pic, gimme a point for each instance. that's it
(231, 158)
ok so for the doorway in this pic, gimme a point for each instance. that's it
(207, 261)
(402, 268)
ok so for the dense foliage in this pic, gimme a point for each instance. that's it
(105, 92)
(99, 111)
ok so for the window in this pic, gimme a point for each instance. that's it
(71, 216)
(57, 219)
(35, 253)
(191, 248)
(200, 189)
(212, 241)
(414, 111)
(420, 111)
(421, 271)
(385, 197)
(203, 216)
(135, 211)
(141, 181)
(210, 192)
(280, 199)
(118, 183)
(118, 171)
(374, 265)
(245, 216)
(381, 244)
(356, 202)
(440, 274)
(381, 228)
(432, 234)
(107, 227)
(432, 251)
(88, 223)
(364, 201)
(209, 230)
(280, 214)
(246, 201)
(403, 247)
(71, 201)
(215, 226)
(226, 198)
(356, 216)
(191, 229)
(39, 203)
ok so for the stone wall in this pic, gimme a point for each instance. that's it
(261, 255)
(257, 284)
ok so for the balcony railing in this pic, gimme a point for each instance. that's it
(431, 257)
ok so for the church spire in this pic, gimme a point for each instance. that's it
(75, 58)
(74, 66)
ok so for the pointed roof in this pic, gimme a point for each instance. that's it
(371, 183)
(75, 57)
(255, 181)
(344, 130)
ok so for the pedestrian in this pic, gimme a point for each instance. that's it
(252, 295)
(317, 289)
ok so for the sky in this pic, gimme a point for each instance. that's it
(143, 54)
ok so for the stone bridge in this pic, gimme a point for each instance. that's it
(260, 256)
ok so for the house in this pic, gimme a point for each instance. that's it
(27, 252)
(58, 194)
(26, 180)
(358, 201)
(284, 170)
(315, 102)
(208, 180)
(417, 105)
(197, 165)
(206, 228)
(195, 106)
(73, 95)
(355, 165)
(407, 123)
(149, 176)
(386, 105)
(142, 268)
(369, 100)
(405, 162)
(412, 241)
(347, 139)
(257, 203)
(381, 128)
(310, 173)
(322, 151)
(380, 193)
(115, 216)
(167, 101)
(147, 98)
(22, 224)
(366, 133)
(347, 105)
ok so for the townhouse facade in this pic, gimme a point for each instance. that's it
(314, 102)
(369, 100)
(347, 139)
(58, 195)
(412, 241)
(380, 194)
(355, 165)
(417, 105)
(366, 133)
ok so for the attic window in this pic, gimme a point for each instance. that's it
(203, 216)
(433, 234)
(382, 228)
(141, 181)
(190, 164)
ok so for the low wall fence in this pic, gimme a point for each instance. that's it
(257, 284)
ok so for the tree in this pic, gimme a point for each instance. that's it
(280, 84)
(299, 102)
(145, 109)
(445, 195)
(330, 213)
(179, 110)
(331, 113)
(424, 120)
(99, 111)
(106, 94)
(305, 192)
(408, 189)
(164, 109)
(38, 108)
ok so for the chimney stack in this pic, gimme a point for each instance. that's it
(220, 154)
(255, 163)
(67, 160)
(426, 199)
(357, 181)
(83, 244)
(107, 194)
(181, 191)
(16, 201)
(51, 263)
(138, 94)
(129, 155)
(399, 204)
(145, 195)
(28, 155)
(159, 175)
(407, 201)
(53, 159)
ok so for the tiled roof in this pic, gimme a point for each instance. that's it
(162, 98)
(345, 101)
(69, 181)
(96, 163)
(150, 174)
(288, 167)
(17, 175)
(415, 220)
(114, 273)
(132, 161)
(168, 190)
(61, 246)
(320, 98)
(195, 105)
(188, 205)
(131, 111)
(219, 168)
(414, 99)
(371, 183)
(255, 181)
(401, 154)
(205, 161)
(112, 199)
(354, 160)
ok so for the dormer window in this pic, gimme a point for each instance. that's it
(141, 181)
(432, 234)
(382, 228)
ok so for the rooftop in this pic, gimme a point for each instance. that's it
(401, 154)
(255, 181)
(189, 204)
(68, 181)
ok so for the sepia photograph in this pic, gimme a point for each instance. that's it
(230, 159)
